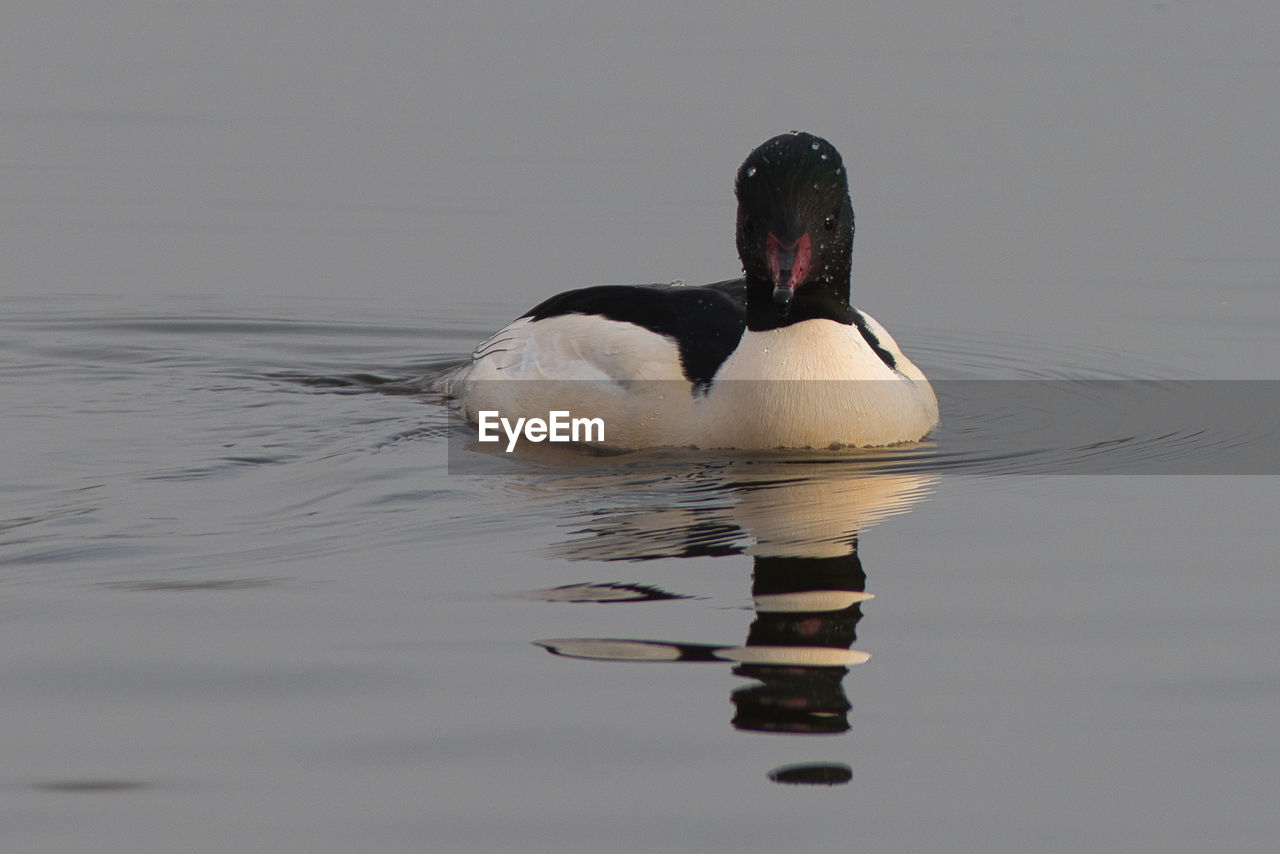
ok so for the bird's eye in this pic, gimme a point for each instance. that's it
(831, 222)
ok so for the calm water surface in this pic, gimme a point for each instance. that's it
(257, 595)
(239, 578)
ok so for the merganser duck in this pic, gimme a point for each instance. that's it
(777, 358)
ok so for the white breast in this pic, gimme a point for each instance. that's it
(816, 383)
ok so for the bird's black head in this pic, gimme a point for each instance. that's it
(795, 231)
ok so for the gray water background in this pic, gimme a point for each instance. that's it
(244, 605)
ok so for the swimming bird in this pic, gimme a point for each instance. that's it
(776, 358)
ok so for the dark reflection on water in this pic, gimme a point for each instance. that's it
(798, 649)
(801, 528)
(609, 592)
(812, 774)
(798, 613)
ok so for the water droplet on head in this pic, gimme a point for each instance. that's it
(814, 146)
(751, 171)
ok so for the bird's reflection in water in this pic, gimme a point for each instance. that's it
(800, 525)
(807, 613)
